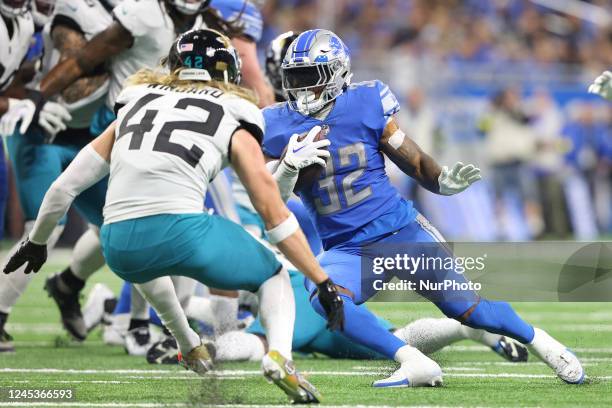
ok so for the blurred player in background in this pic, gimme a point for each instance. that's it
(353, 204)
(138, 37)
(39, 158)
(36, 164)
(154, 224)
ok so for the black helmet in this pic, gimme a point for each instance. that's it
(274, 57)
(204, 55)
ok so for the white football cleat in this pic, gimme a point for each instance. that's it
(417, 370)
(115, 332)
(96, 305)
(565, 363)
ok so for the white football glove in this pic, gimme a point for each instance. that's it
(18, 110)
(602, 86)
(53, 118)
(307, 152)
(458, 179)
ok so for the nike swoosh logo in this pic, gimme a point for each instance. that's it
(297, 150)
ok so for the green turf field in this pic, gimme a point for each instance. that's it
(103, 376)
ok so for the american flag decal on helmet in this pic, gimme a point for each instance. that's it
(186, 47)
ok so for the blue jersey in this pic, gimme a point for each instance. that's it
(353, 202)
(244, 13)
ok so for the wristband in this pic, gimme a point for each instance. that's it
(283, 230)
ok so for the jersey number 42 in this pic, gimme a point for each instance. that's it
(162, 142)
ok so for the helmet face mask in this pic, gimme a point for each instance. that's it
(190, 7)
(14, 8)
(315, 71)
(42, 11)
(204, 55)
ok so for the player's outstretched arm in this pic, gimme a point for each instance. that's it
(69, 42)
(413, 161)
(106, 44)
(282, 227)
(87, 168)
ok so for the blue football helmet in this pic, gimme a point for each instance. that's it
(315, 70)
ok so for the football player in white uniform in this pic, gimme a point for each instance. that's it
(37, 164)
(16, 30)
(161, 161)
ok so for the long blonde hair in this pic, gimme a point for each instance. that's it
(159, 77)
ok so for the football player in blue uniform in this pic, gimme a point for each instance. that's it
(354, 204)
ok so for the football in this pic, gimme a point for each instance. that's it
(312, 173)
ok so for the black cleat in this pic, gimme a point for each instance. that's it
(69, 307)
(6, 342)
(511, 350)
(163, 352)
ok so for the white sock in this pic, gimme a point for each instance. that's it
(139, 308)
(14, 284)
(184, 288)
(225, 312)
(161, 295)
(430, 335)
(199, 308)
(277, 312)
(481, 336)
(87, 255)
(239, 346)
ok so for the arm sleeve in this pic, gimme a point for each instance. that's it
(87, 168)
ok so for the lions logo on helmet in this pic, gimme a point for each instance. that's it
(315, 71)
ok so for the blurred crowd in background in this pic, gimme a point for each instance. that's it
(501, 83)
(498, 82)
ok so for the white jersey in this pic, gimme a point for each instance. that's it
(169, 145)
(89, 17)
(14, 46)
(153, 31)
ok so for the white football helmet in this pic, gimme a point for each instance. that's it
(190, 7)
(316, 70)
(42, 11)
(14, 8)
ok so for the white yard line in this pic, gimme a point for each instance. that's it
(236, 374)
